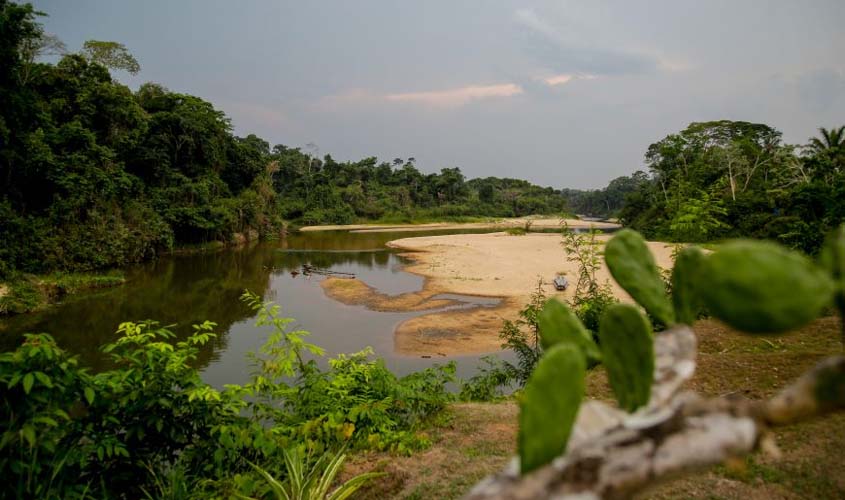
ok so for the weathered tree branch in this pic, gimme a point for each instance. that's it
(612, 454)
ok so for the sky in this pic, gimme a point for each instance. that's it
(561, 93)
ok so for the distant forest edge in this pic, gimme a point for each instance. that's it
(93, 175)
(726, 179)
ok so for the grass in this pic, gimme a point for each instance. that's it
(473, 440)
(27, 293)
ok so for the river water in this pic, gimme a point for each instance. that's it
(187, 289)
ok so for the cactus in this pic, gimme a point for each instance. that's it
(761, 287)
(549, 404)
(627, 348)
(685, 277)
(633, 267)
(833, 259)
(559, 325)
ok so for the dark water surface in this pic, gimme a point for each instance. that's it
(188, 289)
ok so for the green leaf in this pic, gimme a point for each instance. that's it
(44, 379)
(28, 433)
(559, 325)
(762, 287)
(632, 266)
(627, 347)
(686, 276)
(28, 380)
(89, 395)
(549, 405)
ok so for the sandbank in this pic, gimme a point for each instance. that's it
(536, 223)
(489, 265)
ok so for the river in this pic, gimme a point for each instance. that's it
(183, 290)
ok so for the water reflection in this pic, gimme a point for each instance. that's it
(188, 289)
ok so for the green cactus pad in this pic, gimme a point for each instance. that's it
(833, 260)
(685, 278)
(560, 325)
(548, 406)
(762, 287)
(627, 348)
(632, 266)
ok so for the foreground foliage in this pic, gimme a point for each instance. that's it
(747, 287)
(151, 424)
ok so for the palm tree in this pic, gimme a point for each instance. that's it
(829, 140)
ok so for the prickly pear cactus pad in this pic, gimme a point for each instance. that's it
(685, 280)
(762, 287)
(627, 348)
(632, 266)
(549, 404)
(833, 260)
(560, 325)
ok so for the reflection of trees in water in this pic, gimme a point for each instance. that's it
(184, 290)
(295, 259)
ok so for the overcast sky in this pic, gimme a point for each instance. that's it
(567, 94)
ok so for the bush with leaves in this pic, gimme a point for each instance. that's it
(357, 400)
(590, 298)
(309, 479)
(150, 425)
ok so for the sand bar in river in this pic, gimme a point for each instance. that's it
(489, 265)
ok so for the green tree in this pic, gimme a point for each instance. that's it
(112, 55)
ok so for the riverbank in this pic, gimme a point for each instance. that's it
(502, 224)
(495, 265)
(28, 293)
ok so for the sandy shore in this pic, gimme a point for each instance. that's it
(490, 265)
(493, 224)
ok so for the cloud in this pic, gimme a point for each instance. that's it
(458, 96)
(561, 54)
(564, 78)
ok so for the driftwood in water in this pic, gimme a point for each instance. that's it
(612, 454)
(308, 269)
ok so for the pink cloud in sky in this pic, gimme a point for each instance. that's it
(458, 96)
(565, 78)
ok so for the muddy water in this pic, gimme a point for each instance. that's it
(188, 289)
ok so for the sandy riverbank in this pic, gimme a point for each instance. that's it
(491, 265)
(539, 223)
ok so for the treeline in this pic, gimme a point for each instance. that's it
(606, 202)
(324, 191)
(94, 175)
(726, 179)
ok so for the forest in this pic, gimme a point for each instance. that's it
(94, 175)
(727, 179)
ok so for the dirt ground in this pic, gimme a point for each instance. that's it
(473, 440)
